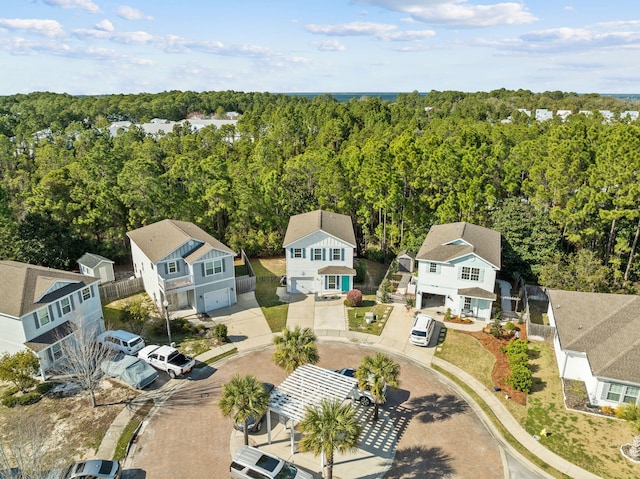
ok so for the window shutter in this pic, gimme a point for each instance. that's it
(223, 266)
(35, 320)
(326, 282)
(166, 268)
(59, 310)
(80, 296)
(605, 390)
(304, 253)
(51, 318)
(73, 306)
(204, 270)
(330, 254)
(341, 254)
(311, 257)
(291, 252)
(481, 275)
(324, 256)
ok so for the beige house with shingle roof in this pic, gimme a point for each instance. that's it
(180, 262)
(38, 306)
(319, 248)
(598, 342)
(459, 262)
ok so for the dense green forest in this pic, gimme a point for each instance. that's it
(565, 195)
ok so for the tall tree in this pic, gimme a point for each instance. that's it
(243, 397)
(374, 374)
(294, 348)
(329, 428)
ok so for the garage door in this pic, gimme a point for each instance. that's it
(301, 285)
(216, 299)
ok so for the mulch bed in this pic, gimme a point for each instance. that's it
(501, 369)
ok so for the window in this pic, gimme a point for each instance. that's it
(316, 254)
(65, 305)
(56, 351)
(467, 303)
(471, 274)
(433, 268)
(172, 267)
(43, 316)
(297, 252)
(336, 254)
(213, 267)
(332, 282)
(86, 294)
(621, 393)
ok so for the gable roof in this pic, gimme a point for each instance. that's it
(484, 242)
(159, 239)
(23, 285)
(604, 326)
(335, 224)
(91, 260)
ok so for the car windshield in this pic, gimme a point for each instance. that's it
(135, 342)
(288, 471)
(417, 332)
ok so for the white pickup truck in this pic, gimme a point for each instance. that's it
(166, 358)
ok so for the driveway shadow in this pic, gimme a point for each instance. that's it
(237, 338)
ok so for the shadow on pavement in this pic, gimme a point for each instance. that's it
(237, 338)
(134, 474)
(419, 462)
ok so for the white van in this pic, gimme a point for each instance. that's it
(250, 462)
(122, 341)
(422, 330)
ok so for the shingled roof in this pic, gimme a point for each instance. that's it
(484, 242)
(335, 224)
(159, 239)
(23, 285)
(604, 326)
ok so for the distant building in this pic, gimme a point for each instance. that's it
(97, 266)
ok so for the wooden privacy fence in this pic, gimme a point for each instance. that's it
(120, 289)
(246, 283)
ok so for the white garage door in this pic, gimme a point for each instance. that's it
(216, 299)
(301, 285)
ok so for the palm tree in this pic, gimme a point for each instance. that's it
(243, 397)
(295, 348)
(332, 426)
(631, 413)
(375, 374)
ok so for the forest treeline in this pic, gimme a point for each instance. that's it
(565, 195)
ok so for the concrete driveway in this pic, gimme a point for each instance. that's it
(318, 314)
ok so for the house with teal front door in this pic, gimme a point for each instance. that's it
(319, 248)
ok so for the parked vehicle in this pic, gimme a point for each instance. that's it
(130, 369)
(422, 329)
(166, 358)
(364, 397)
(91, 469)
(252, 424)
(122, 341)
(250, 462)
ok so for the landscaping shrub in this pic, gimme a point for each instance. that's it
(447, 314)
(29, 398)
(354, 298)
(10, 401)
(517, 346)
(361, 271)
(43, 388)
(10, 391)
(509, 326)
(220, 332)
(496, 328)
(520, 378)
(518, 358)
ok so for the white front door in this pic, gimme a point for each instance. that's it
(216, 299)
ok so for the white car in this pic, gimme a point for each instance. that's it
(422, 330)
(250, 462)
(122, 341)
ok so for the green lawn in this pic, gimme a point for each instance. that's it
(589, 441)
(356, 316)
(268, 272)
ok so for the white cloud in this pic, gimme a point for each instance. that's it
(105, 25)
(332, 45)
(620, 24)
(381, 31)
(48, 28)
(87, 5)
(459, 13)
(130, 13)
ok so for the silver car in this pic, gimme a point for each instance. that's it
(250, 462)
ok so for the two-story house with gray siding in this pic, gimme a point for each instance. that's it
(39, 308)
(180, 262)
(459, 262)
(319, 248)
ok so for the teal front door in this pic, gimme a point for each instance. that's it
(345, 283)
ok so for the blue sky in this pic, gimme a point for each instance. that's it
(104, 46)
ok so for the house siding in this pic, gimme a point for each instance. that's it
(306, 268)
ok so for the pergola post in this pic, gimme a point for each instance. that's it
(269, 425)
(293, 437)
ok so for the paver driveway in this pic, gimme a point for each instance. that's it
(439, 436)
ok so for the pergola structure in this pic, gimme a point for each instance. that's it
(306, 387)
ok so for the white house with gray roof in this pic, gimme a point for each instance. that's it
(40, 306)
(319, 248)
(597, 341)
(459, 262)
(180, 262)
